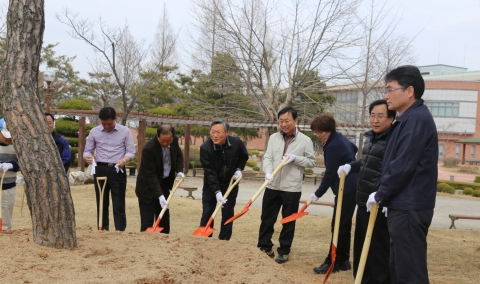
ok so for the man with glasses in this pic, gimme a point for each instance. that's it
(409, 175)
(222, 157)
(369, 170)
(162, 158)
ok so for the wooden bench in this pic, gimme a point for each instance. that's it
(324, 203)
(188, 188)
(454, 217)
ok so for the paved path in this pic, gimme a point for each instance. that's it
(445, 204)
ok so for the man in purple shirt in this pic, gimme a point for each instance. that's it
(114, 146)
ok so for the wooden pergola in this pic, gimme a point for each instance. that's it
(144, 117)
(469, 141)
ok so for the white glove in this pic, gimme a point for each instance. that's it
(315, 198)
(268, 176)
(162, 200)
(94, 165)
(370, 201)
(291, 158)
(346, 168)
(385, 210)
(118, 169)
(219, 197)
(180, 174)
(6, 166)
(237, 175)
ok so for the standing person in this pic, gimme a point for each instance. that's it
(161, 159)
(285, 189)
(9, 166)
(60, 141)
(337, 151)
(222, 157)
(409, 175)
(369, 170)
(114, 146)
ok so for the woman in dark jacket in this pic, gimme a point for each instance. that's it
(369, 170)
(337, 150)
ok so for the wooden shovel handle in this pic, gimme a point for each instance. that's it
(265, 184)
(366, 243)
(175, 186)
(230, 188)
(338, 208)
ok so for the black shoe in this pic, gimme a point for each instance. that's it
(323, 268)
(269, 252)
(281, 258)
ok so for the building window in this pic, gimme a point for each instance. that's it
(457, 150)
(472, 155)
(440, 149)
(444, 108)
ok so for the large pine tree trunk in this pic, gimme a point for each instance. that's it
(46, 183)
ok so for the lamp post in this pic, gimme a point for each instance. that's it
(48, 76)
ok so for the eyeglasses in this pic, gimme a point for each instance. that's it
(318, 133)
(380, 117)
(216, 133)
(386, 91)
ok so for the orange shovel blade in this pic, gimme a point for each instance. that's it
(154, 230)
(295, 216)
(244, 210)
(1, 222)
(330, 269)
(203, 231)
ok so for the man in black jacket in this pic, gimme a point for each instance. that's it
(369, 170)
(161, 159)
(409, 175)
(60, 141)
(222, 157)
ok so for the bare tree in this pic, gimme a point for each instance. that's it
(278, 50)
(379, 50)
(165, 43)
(119, 54)
(46, 184)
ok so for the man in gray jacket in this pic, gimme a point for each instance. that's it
(285, 190)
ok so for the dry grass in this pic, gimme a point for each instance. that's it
(453, 254)
(468, 169)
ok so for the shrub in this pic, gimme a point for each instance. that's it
(477, 179)
(162, 111)
(72, 141)
(450, 162)
(460, 185)
(251, 164)
(441, 186)
(195, 154)
(468, 190)
(252, 152)
(309, 171)
(468, 169)
(476, 193)
(131, 164)
(151, 132)
(75, 104)
(449, 189)
(194, 164)
(256, 168)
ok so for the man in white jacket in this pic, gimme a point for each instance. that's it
(285, 189)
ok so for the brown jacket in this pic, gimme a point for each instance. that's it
(151, 169)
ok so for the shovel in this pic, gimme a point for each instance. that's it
(1, 185)
(264, 185)
(155, 227)
(300, 213)
(100, 205)
(207, 230)
(366, 244)
(336, 228)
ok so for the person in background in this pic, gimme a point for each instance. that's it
(409, 175)
(337, 151)
(284, 191)
(369, 169)
(161, 159)
(222, 157)
(8, 167)
(114, 148)
(60, 141)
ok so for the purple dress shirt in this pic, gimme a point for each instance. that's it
(110, 146)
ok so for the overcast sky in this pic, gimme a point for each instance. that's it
(448, 31)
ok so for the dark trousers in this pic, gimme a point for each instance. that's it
(149, 212)
(345, 228)
(408, 245)
(376, 267)
(117, 185)
(209, 202)
(272, 201)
